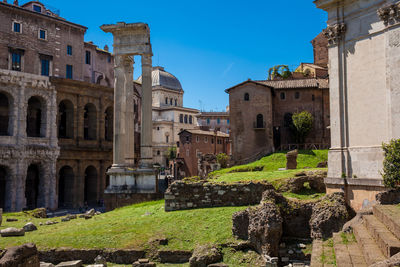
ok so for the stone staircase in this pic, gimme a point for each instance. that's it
(376, 239)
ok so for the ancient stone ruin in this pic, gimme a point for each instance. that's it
(291, 160)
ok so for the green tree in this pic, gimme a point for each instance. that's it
(391, 163)
(303, 122)
(171, 153)
(223, 160)
(281, 71)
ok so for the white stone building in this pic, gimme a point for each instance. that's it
(364, 72)
(169, 115)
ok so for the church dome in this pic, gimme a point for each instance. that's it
(162, 78)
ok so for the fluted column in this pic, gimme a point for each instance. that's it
(129, 112)
(119, 112)
(146, 136)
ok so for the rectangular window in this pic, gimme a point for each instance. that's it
(16, 27)
(43, 34)
(218, 120)
(197, 139)
(227, 121)
(69, 50)
(16, 61)
(87, 57)
(167, 139)
(45, 67)
(37, 8)
(69, 72)
(206, 139)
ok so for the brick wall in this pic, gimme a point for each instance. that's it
(190, 195)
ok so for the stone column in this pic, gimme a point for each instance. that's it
(146, 136)
(119, 112)
(129, 113)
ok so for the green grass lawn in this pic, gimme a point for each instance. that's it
(305, 158)
(130, 227)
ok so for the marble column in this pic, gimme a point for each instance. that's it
(119, 112)
(146, 136)
(129, 112)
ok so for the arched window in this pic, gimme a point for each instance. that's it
(166, 101)
(5, 110)
(158, 152)
(66, 119)
(90, 122)
(260, 121)
(186, 118)
(190, 119)
(176, 102)
(33, 192)
(3, 187)
(170, 101)
(65, 184)
(181, 118)
(246, 97)
(108, 124)
(36, 118)
(283, 96)
(90, 193)
(287, 119)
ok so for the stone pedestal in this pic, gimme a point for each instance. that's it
(291, 160)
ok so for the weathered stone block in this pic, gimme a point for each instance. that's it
(77, 263)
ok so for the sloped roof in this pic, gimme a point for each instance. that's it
(203, 132)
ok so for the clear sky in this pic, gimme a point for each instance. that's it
(209, 45)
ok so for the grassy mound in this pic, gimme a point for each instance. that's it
(129, 227)
(305, 159)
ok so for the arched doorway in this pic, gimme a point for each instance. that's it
(35, 119)
(5, 109)
(66, 187)
(108, 124)
(3, 184)
(66, 119)
(90, 196)
(32, 186)
(90, 122)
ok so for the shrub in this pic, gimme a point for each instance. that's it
(303, 122)
(171, 153)
(223, 160)
(391, 163)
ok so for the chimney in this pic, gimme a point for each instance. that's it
(106, 48)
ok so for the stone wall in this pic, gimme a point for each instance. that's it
(187, 195)
(113, 201)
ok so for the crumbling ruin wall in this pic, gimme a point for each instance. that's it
(187, 195)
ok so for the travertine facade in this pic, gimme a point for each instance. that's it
(28, 149)
(364, 75)
(55, 133)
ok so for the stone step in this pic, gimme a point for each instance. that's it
(316, 255)
(388, 243)
(341, 252)
(357, 258)
(328, 251)
(367, 244)
(389, 215)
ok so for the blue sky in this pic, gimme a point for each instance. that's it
(209, 45)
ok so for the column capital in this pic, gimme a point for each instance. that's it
(390, 14)
(334, 33)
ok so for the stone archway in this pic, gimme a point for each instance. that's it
(32, 189)
(90, 193)
(66, 187)
(90, 122)
(5, 110)
(66, 119)
(108, 124)
(36, 117)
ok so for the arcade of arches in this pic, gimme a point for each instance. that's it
(64, 136)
